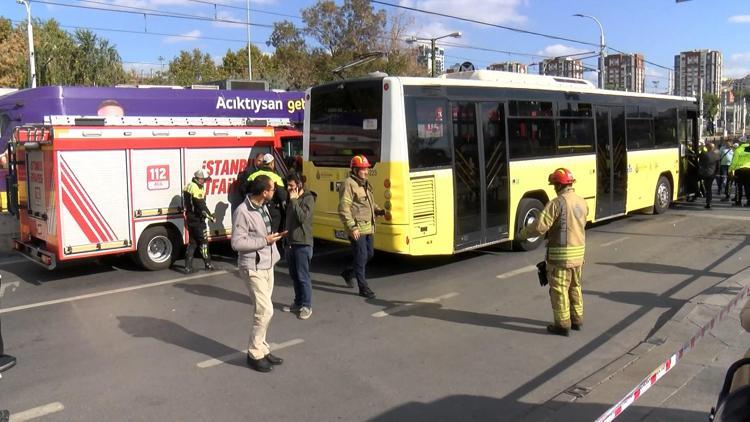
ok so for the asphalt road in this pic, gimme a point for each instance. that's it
(448, 338)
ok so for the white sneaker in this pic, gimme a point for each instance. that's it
(304, 312)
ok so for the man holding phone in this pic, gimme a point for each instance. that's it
(253, 239)
(299, 250)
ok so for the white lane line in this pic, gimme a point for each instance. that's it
(526, 269)
(622, 239)
(411, 305)
(237, 355)
(111, 292)
(37, 412)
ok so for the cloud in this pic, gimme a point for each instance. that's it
(187, 36)
(739, 19)
(740, 58)
(557, 50)
(491, 11)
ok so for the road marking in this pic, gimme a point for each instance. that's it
(14, 284)
(526, 269)
(411, 305)
(719, 216)
(37, 412)
(237, 355)
(111, 292)
(622, 239)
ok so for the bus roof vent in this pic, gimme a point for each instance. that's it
(518, 78)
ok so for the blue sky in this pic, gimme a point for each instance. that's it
(656, 28)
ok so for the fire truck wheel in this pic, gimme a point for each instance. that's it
(156, 249)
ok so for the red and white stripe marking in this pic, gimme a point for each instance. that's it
(671, 362)
(82, 208)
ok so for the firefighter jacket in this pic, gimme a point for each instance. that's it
(194, 197)
(564, 218)
(357, 207)
(741, 158)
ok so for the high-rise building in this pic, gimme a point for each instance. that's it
(424, 57)
(692, 66)
(625, 72)
(562, 66)
(514, 67)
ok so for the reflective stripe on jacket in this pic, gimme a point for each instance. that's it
(564, 217)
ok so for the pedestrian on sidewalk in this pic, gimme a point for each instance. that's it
(299, 250)
(357, 210)
(564, 217)
(254, 241)
(708, 165)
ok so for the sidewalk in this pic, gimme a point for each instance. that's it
(685, 393)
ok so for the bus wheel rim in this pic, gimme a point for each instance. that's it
(663, 194)
(528, 219)
(159, 249)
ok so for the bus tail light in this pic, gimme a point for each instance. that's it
(385, 86)
(388, 216)
(387, 183)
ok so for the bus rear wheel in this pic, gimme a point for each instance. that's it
(662, 196)
(156, 249)
(529, 210)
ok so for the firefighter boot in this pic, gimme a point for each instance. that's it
(206, 257)
(189, 259)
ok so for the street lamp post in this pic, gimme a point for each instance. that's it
(249, 56)
(432, 45)
(30, 31)
(602, 47)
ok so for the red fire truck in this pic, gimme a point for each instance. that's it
(93, 186)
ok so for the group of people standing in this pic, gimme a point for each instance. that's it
(727, 165)
(276, 215)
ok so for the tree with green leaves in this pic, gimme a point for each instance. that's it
(710, 105)
(192, 67)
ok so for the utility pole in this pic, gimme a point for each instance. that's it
(700, 106)
(30, 32)
(602, 48)
(724, 112)
(249, 54)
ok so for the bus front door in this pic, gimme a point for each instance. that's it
(480, 173)
(611, 162)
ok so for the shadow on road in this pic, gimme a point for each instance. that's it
(468, 408)
(654, 268)
(437, 311)
(175, 334)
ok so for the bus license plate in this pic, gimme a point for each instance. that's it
(339, 234)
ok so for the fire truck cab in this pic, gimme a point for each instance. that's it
(93, 186)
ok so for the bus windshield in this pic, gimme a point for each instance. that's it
(345, 120)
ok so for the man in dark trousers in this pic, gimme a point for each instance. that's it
(299, 252)
(196, 212)
(708, 166)
(6, 361)
(357, 211)
(564, 217)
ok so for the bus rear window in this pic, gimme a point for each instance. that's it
(346, 119)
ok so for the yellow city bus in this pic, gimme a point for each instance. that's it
(461, 161)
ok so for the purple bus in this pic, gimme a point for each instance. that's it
(33, 105)
(36, 105)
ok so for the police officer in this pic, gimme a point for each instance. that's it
(277, 205)
(564, 217)
(357, 210)
(196, 211)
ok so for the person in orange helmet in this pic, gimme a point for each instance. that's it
(357, 210)
(564, 217)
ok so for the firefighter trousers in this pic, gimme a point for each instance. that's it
(566, 295)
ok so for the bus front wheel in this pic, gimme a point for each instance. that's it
(529, 210)
(663, 196)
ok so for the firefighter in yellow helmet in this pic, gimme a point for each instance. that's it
(564, 217)
(196, 213)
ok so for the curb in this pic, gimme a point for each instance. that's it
(691, 316)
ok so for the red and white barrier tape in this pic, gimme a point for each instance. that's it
(670, 363)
